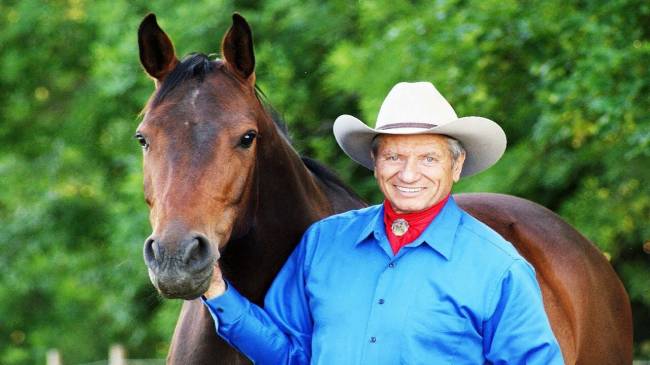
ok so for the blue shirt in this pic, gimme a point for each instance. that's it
(459, 294)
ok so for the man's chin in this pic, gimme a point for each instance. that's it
(410, 205)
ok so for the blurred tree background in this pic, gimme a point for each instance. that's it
(567, 80)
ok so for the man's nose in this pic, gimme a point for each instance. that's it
(410, 170)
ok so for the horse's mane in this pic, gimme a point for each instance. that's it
(275, 116)
(196, 66)
(193, 66)
(322, 172)
(327, 176)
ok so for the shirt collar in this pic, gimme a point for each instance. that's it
(375, 225)
(439, 235)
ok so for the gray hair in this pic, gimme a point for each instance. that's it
(455, 147)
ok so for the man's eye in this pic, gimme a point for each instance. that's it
(392, 158)
(429, 159)
(143, 141)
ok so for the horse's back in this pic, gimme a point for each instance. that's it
(586, 303)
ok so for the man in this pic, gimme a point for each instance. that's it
(415, 280)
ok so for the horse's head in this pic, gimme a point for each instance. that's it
(199, 138)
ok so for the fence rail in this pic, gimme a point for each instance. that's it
(116, 356)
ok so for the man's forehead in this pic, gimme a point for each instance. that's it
(432, 142)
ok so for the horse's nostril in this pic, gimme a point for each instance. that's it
(196, 251)
(151, 251)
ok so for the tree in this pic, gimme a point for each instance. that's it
(567, 81)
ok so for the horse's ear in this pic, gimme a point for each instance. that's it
(156, 49)
(237, 48)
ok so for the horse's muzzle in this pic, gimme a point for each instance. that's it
(179, 268)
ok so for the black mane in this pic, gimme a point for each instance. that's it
(193, 66)
(329, 177)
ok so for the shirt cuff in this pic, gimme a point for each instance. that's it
(229, 307)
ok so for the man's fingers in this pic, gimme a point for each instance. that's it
(217, 284)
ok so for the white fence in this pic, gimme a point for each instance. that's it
(116, 356)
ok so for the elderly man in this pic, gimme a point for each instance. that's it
(414, 280)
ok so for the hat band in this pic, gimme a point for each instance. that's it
(407, 125)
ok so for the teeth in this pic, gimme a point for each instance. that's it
(408, 190)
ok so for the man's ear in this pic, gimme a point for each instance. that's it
(374, 147)
(457, 166)
(374, 164)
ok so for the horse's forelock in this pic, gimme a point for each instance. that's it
(193, 67)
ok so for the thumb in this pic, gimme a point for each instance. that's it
(217, 284)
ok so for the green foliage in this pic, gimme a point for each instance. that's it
(568, 81)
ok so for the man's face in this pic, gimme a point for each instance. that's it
(415, 171)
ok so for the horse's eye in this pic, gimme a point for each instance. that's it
(141, 140)
(247, 139)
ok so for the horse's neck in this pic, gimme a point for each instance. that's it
(290, 196)
(287, 184)
(286, 199)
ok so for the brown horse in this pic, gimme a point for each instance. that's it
(223, 184)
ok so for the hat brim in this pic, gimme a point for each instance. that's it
(484, 141)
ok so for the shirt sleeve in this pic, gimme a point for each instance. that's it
(518, 331)
(279, 333)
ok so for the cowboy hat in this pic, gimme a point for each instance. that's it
(418, 108)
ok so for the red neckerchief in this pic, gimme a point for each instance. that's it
(417, 222)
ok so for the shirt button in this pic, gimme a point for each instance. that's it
(373, 339)
(381, 301)
(220, 310)
(391, 265)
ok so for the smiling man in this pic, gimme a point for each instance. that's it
(414, 280)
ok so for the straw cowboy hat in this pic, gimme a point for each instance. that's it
(418, 108)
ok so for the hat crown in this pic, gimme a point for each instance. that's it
(415, 102)
(418, 108)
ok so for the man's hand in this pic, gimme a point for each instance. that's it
(217, 284)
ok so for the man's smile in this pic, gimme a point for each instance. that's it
(405, 189)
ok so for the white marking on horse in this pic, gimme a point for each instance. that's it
(193, 97)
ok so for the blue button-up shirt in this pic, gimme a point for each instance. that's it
(458, 294)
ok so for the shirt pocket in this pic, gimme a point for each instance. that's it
(432, 336)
